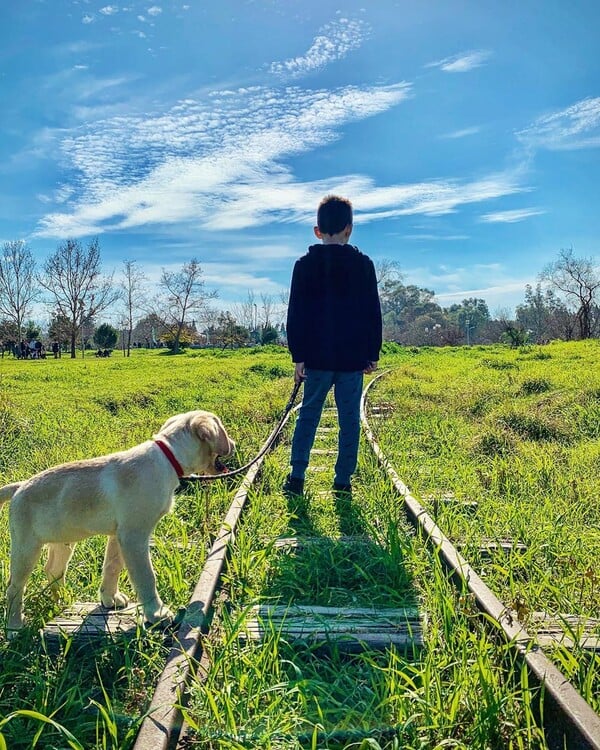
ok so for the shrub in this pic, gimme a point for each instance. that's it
(535, 385)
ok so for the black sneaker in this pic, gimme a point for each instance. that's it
(293, 486)
(341, 490)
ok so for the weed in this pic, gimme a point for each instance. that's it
(535, 385)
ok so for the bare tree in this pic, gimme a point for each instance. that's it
(184, 295)
(18, 289)
(77, 290)
(267, 310)
(388, 271)
(132, 291)
(578, 279)
(246, 312)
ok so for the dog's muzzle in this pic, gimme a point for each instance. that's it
(220, 467)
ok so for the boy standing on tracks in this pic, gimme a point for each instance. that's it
(334, 336)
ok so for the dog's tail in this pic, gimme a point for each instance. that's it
(7, 492)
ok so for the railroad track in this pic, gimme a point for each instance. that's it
(569, 722)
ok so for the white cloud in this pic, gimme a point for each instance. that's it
(87, 19)
(464, 133)
(577, 126)
(217, 162)
(155, 10)
(109, 10)
(435, 237)
(463, 62)
(333, 43)
(489, 281)
(222, 164)
(230, 275)
(511, 216)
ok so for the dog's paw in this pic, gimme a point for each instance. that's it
(162, 615)
(118, 601)
(14, 628)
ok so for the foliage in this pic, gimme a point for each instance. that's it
(544, 315)
(227, 333)
(515, 335)
(32, 331)
(105, 336)
(59, 328)
(269, 335)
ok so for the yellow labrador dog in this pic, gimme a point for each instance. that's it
(122, 495)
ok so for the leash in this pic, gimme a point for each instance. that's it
(225, 472)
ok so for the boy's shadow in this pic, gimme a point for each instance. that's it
(355, 566)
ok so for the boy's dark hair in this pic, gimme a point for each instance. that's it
(334, 214)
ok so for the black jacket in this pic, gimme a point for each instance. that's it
(334, 315)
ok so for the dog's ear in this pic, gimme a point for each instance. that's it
(208, 427)
(168, 424)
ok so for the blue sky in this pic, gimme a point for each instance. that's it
(467, 135)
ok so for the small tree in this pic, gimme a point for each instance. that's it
(183, 295)
(105, 336)
(59, 329)
(579, 280)
(73, 281)
(18, 289)
(471, 315)
(515, 336)
(545, 315)
(132, 291)
(33, 332)
(228, 332)
(269, 335)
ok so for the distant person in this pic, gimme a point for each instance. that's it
(334, 336)
(56, 349)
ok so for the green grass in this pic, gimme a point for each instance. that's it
(516, 431)
(57, 410)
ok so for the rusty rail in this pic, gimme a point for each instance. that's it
(571, 722)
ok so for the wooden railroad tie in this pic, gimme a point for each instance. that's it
(86, 622)
(449, 499)
(298, 543)
(568, 631)
(487, 547)
(379, 411)
(323, 452)
(348, 629)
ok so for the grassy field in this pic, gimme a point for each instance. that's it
(517, 431)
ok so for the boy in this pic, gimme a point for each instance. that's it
(334, 336)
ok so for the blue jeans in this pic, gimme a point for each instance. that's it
(347, 389)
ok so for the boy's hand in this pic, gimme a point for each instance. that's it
(371, 367)
(299, 372)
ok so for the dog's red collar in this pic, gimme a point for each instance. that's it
(169, 454)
